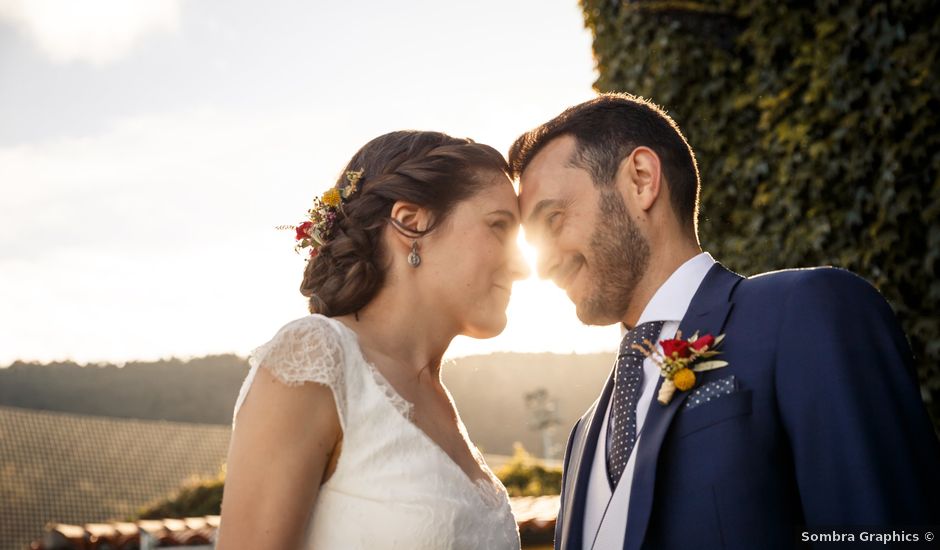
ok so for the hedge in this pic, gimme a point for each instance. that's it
(815, 126)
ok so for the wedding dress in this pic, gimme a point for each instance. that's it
(393, 486)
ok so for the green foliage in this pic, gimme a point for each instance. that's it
(526, 476)
(815, 126)
(197, 497)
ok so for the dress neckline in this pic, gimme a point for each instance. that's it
(488, 486)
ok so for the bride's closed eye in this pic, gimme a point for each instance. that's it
(502, 230)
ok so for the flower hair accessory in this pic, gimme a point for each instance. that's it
(317, 229)
(680, 359)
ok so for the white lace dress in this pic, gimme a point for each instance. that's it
(393, 487)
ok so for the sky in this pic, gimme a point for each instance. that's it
(149, 148)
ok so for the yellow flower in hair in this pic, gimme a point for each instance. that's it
(684, 379)
(332, 197)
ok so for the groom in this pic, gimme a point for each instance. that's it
(815, 424)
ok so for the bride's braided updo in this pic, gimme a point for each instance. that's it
(429, 169)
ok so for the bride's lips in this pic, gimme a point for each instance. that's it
(506, 294)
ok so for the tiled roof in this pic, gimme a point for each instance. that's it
(535, 516)
(80, 469)
(189, 532)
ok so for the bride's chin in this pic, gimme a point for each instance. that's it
(489, 329)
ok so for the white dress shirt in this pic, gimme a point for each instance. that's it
(605, 514)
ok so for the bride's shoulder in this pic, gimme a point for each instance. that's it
(305, 350)
(308, 349)
(313, 325)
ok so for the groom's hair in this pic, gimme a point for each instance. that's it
(607, 129)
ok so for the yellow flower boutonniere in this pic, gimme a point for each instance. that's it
(680, 359)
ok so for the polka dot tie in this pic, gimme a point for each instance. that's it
(628, 382)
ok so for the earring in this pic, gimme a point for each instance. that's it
(413, 258)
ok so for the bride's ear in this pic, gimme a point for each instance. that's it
(409, 221)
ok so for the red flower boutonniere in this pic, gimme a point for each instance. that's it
(680, 359)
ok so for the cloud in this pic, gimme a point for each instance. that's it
(92, 31)
(162, 225)
(157, 181)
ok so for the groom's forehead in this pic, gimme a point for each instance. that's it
(550, 176)
(555, 155)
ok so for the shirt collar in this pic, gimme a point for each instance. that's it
(673, 298)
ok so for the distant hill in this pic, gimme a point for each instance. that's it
(489, 391)
(200, 391)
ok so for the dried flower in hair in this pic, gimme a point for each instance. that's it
(317, 229)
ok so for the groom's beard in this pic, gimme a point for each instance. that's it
(620, 259)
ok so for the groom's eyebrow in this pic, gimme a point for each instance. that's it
(540, 207)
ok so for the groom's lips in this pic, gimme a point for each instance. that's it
(564, 280)
(569, 290)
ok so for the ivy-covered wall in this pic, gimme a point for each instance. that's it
(816, 128)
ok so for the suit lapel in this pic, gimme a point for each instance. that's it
(706, 315)
(583, 452)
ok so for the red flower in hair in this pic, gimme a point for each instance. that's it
(302, 230)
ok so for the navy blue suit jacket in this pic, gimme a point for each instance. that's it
(826, 426)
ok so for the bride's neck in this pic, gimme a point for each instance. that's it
(401, 329)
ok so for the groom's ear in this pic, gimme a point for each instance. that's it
(640, 177)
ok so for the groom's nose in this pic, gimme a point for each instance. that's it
(545, 262)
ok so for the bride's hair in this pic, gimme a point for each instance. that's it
(429, 169)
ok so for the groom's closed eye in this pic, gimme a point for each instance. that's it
(543, 218)
(553, 222)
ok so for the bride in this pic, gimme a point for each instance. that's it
(343, 435)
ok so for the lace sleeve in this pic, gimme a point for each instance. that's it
(305, 350)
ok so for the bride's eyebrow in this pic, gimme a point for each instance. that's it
(505, 213)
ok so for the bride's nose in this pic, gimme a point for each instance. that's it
(518, 266)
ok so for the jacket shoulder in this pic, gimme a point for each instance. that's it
(828, 281)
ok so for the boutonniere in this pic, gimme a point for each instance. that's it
(680, 359)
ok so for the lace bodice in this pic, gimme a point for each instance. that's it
(393, 486)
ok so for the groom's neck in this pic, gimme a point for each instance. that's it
(665, 259)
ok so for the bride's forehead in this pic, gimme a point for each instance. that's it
(500, 195)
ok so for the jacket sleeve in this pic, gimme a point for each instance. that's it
(863, 448)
